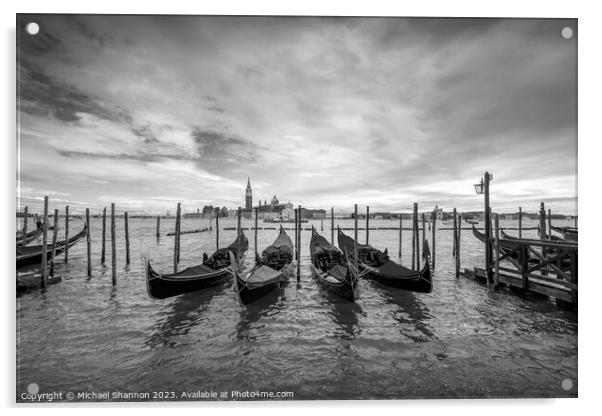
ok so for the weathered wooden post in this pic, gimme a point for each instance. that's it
(458, 246)
(299, 246)
(256, 250)
(25, 224)
(455, 239)
(296, 236)
(332, 225)
(66, 234)
(44, 275)
(217, 232)
(158, 235)
(321, 224)
(127, 241)
(488, 254)
(355, 253)
(549, 223)
(238, 231)
(367, 225)
(543, 233)
(417, 235)
(104, 236)
(520, 222)
(434, 249)
(88, 242)
(113, 246)
(400, 229)
(423, 236)
(54, 236)
(176, 243)
(497, 250)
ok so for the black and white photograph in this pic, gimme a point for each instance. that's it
(295, 208)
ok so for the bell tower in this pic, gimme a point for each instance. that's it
(249, 195)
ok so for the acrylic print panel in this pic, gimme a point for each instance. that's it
(190, 160)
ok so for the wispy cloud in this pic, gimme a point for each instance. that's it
(148, 110)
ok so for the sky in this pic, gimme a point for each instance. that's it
(148, 111)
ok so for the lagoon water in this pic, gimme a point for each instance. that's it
(461, 341)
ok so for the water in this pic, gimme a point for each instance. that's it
(83, 335)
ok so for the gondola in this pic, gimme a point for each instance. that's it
(568, 233)
(214, 270)
(268, 271)
(28, 255)
(32, 235)
(331, 268)
(377, 266)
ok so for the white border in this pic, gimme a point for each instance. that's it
(589, 158)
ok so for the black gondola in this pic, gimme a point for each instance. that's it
(331, 268)
(214, 270)
(268, 272)
(32, 235)
(377, 266)
(29, 255)
(569, 233)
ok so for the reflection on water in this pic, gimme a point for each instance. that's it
(411, 313)
(458, 341)
(181, 316)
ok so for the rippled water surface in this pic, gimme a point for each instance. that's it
(460, 341)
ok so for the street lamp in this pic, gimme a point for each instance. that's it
(479, 187)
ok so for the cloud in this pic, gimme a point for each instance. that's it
(319, 111)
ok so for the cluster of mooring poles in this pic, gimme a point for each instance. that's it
(49, 248)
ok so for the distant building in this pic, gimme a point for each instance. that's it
(248, 195)
(315, 214)
(437, 213)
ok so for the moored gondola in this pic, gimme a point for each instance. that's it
(268, 272)
(32, 235)
(375, 264)
(332, 268)
(215, 269)
(29, 255)
(569, 233)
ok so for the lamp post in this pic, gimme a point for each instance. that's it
(483, 188)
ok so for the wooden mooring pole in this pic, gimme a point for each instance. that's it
(238, 231)
(458, 246)
(497, 249)
(321, 224)
(256, 250)
(217, 232)
(434, 248)
(88, 242)
(176, 243)
(520, 222)
(299, 246)
(367, 225)
(127, 240)
(332, 225)
(25, 224)
(355, 238)
(54, 236)
(488, 254)
(400, 229)
(549, 223)
(113, 246)
(455, 239)
(416, 238)
(104, 236)
(296, 236)
(66, 233)
(44, 274)
(423, 237)
(158, 235)
(542, 222)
